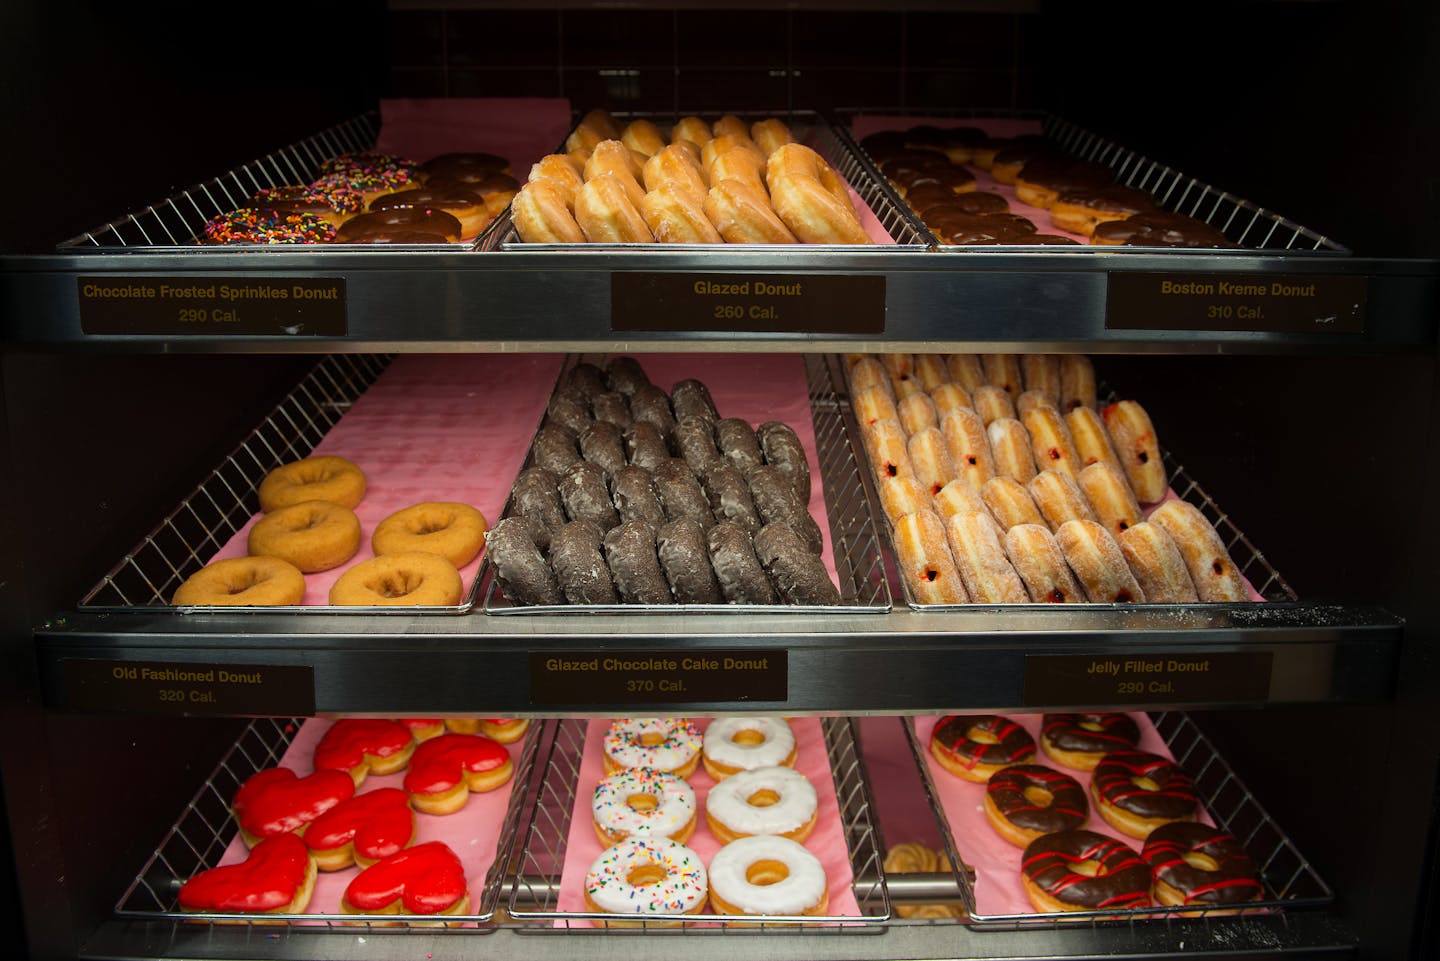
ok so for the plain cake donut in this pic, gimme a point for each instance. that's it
(454, 531)
(322, 478)
(392, 580)
(243, 582)
(312, 535)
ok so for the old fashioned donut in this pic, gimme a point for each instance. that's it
(642, 803)
(1079, 741)
(642, 877)
(243, 582)
(312, 535)
(1138, 792)
(685, 559)
(454, 531)
(406, 578)
(767, 876)
(769, 800)
(735, 744)
(1082, 871)
(669, 744)
(1026, 801)
(323, 478)
(975, 746)
(1195, 864)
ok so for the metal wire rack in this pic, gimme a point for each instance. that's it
(535, 887)
(205, 829)
(1288, 879)
(859, 564)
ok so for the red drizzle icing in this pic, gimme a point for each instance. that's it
(1123, 879)
(442, 762)
(953, 736)
(1067, 809)
(268, 880)
(425, 879)
(379, 823)
(352, 741)
(1233, 880)
(278, 801)
(1114, 784)
(1118, 732)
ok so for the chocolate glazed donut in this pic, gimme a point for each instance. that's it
(1223, 874)
(579, 566)
(635, 496)
(650, 405)
(536, 498)
(1013, 793)
(738, 570)
(695, 443)
(691, 398)
(612, 407)
(588, 379)
(782, 449)
(1133, 789)
(776, 502)
(556, 447)
(586, 497)
(634, 565)
(737, 442)
(729, 495)
(1006, 742)
(644, 447)
(1065, 735)
(1123, 879)
(602, 444)
(681, 493)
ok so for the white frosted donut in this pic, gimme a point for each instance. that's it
(647, 876)
(740, 870)
(656, 743)
(668, 809)
(735, 744)
(770, 800)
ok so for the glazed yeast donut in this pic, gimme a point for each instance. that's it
(634, 801)
(454, 531)
(243, 582)
(670, 744)
(734, 744)
(1200, 865)
(811, 198)
(645, 877)
(768, 800)
(767, 876)
(325, 478)
(312, 535)
(975, 746)
(416, 578)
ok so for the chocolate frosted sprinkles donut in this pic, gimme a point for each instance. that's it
(586, 497)
(520, 570)
(603, 445)
(635, 496)
(634, 565)
(737, 569)
(798, 575)
(782, 448)
(695, 442)
(579, 565)
(685, 559)
(644, 447)
(1120, 879)
(681, 494)
(1222, 874)
(777, 503)
(729, 496)
(691, 398)
(737, 442)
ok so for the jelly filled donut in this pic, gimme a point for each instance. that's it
(1195, 864)
(323, 478)
(1137, 792)
(769, 800)
(454, 531)
(1158, 567)
(312, 535)
(924, 558)
(1079, 741)
(766, 876)
(1083, 871)
(1026, 801)
(642, 877)
(243, 582)
(417, 578)
(670, 744)
(734, 744)
(1214, 574)
(642, 803)
(975, 746)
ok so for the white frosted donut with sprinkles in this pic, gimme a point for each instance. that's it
(767, 876)
(769, 800)
(646, 877)
(734, 744)
(669, 744)
(641, 803)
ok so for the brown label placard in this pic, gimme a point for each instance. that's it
(149, 687)
(754, 303)
(1078, 680)
(643, 677)
(213, 306)
(1278, 303)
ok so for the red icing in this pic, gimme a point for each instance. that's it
(380, 823)
(268, 880)
(442, 762)
(351, 741)
(426, 879)
(278, 801)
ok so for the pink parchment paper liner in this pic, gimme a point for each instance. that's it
(473, 832)
(998, 891)
(827, 842)
(520, 129)
(433, 427)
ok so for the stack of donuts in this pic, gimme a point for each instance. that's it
(636, 496)
(1138, 795)
(760, 811)
(375, 198)
(1005, 482)
(729, 182)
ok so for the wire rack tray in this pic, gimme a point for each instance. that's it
(859, 562)
(198, 840)
(535, 886)
(185, 540)
(1288, 878)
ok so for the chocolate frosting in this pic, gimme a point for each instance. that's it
(798, 575)
(448, 163)
(1123, 881)
(686, 562)
(1066, 811)
(1112, 198)
(1161, 228)
(1013, 743)
(1067, 732)
(444, 198)
(1114, 783)
(375, 226)
(1065, 173)
(1233, 879)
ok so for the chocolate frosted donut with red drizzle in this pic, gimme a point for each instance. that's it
(1026, 801)
(1083, 871)
(1079, 741)
(1138, 792)
(1195, 864)
(975, 746)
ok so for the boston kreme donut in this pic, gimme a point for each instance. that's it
(1079, 741)
(1083, 871)
(634, 801)
(645, 877)
(1024, 801)
(734, 744)
(657, 743)
(769, 800)
(1200, 865)
(1138, 792)
(975, 746)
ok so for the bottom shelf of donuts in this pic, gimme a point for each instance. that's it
(1160, 826)
(782, 847)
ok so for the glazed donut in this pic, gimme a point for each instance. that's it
(361, 830)
(634, 565)
(382, 888)
(1139, 450)
(975, 544)
(361, 746)
(1010, 503)
(1077, 382)
(992, 403)
(1157, 564)
(735, 744)
(1097, 561)
(312, 535)
(562, 174)
(743, 215)
(668, 744)
(1027, 801)
(278, 801)
(607, 215)
(947, 398)
(770, 135)
(1059, 499)
(685, 559)
(732, 556)
(811, 198)
(243, 582)
(904, 495)
(323, 478)
(579, 564)
(675, 215)
(731, 125)
(635, 802)
(969, 447)
(1041, 565)
(797, 572)
(646, 877)
(613, 157)
(466, 206)
(1050, 442)
(917, 412)
(1108, 493)
(1079, 741)
(520, 569)
(1092, 442)
(334, 204)
(541, 212)
(742, 164)
(1010, 444)
(403, 225)
(600, 120)
(723, 143)
(1083, 871)
(975, 746)
(966, 370)
(642, 136)
(278, 877)
(924, 559)
(444, 771)
(1003, 371)
(767, 876)
(1137, 792)
(1215, 575)
(691, 129)
(781, 446)
(1195, 864)
(417, 578)
(454, 531)
(586, 136)
(1081, 211)
(769, 800)
(930, 458)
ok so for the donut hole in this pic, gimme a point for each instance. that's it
(1143, 457)
(652, 739)
(1089, 868)
(749, 738)
(643, 875)
(1092, 725)
(1218, 567)
(642, 803)
(766, 872)
(1200, 861)
(1038, 796)
(763, 798)
(931, 573)
(428, 524)
(242, 582)
(1145, 783)
(395, 583)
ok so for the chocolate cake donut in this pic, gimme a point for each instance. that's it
(644, 447)
(625, 375)
(611, 406)
(729, 496)
(681, 494)
(737, 569)
(602, 444)
(776, 502)
(782, 448)
(737, 442)
(586, 378)
(586, 497)
(635, 496)
(695, 442)
(579, 565)
(634, 565)
(649, 404)
(520, 570)
(556, 447)
(685, 559)
(691, 398)
(798, 575)
(535, 497)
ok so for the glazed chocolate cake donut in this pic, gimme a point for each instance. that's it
(556, 447)
(729, 496)
(634, 565)
(691, 398)
(586, 497)
(651, 405)
(681, 494)
(635, 496)
(588, 379)
(521, 571)
(737, 569)
(612, 407)
(782, 448)
(695, 442)
(776, 502)
(644, 447)
(737, 442)
(579, 565)
(535, 497)
(566, 410)
(625, 375)
(602, 444)
(798, 575)
(685, 559)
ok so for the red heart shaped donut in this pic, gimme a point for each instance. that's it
(425, 879)
(361, 746)
(362, 830)
(277, 878)
(424, 728)
(446, 769)
(279, 801)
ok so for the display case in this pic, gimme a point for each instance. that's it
(123, 435)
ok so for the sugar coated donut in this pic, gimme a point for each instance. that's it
(1197, 864)
(975, 746)
(408, 578)
(768, 800)
(312, 535)
(1082, 871)
(637, 802)
(1214, 574)
(734, 744)
(767, 876)
(454, 531)
(646, 877)
(658, 743)
(1079, 741)
(1026, 801)
(1137, 792)
(923, 557)
(243, 582)
(324, 478)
